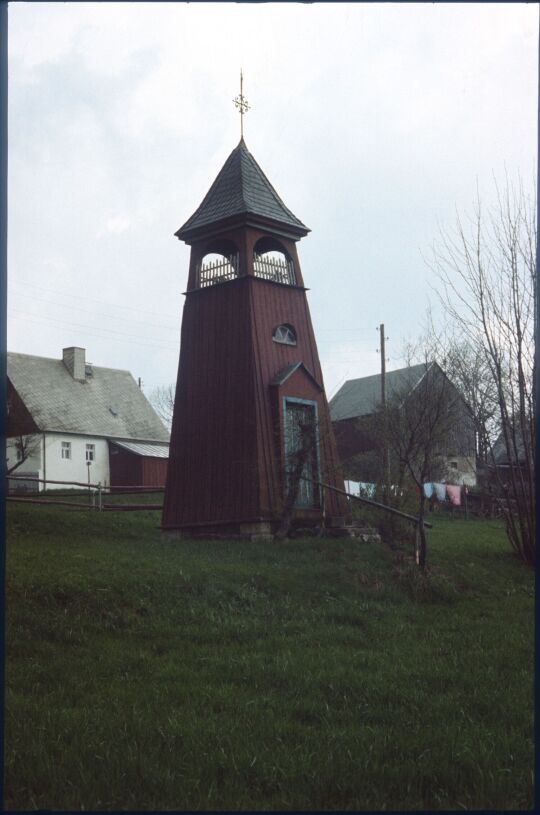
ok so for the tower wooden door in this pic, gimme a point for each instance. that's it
(302, 450)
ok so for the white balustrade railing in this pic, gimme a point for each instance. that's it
(276, 269)
(268, 268)
(218, 271)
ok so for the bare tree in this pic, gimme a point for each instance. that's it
(25, 447)
(22, 435)
(419, 422)
(309, 469)
(466, 367)
(162, 400)
(486, 273)
(297, 470)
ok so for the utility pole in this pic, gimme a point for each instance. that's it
(383, 367)
(386, 451)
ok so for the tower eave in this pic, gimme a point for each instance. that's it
(243, 219)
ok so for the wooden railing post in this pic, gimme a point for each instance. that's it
(385, 507)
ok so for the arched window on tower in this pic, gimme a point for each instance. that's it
(285, 334)
(271, 262)
(218, 265)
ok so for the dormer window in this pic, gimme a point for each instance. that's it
(285, 335)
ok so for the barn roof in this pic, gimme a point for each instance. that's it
(241, 188)
(517, 452)
(145, 448)
(360, 397)
(108, 403)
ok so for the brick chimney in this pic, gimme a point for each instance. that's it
(74, 359)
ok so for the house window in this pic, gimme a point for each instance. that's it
(453, 465)
(285, 335)
(66, 449)
(90, 452)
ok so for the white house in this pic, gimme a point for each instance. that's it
(67, 418)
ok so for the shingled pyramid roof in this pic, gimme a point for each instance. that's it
(241, 188)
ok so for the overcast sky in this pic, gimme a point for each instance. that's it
(374, 123)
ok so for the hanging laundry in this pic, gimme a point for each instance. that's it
(440, 491)
(454, 494)
(352, 487)
(367, 490)
(428, 490)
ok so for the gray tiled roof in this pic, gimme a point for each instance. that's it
(144, 448)
(240, 188)
(108, 404)
(517, 452)
(360, 397)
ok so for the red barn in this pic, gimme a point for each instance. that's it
(249, 374)
(135, 464)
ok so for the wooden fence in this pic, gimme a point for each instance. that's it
(95, 493)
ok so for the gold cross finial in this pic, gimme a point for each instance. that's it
(242, 104)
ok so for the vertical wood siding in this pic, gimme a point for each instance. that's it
(128, 469)
(125, 467)
(154, 471)
(225, 455)
(213, 474)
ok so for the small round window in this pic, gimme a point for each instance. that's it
(285, 334)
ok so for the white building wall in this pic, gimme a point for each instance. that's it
(463, 471)
(46, 460)
(75, 468)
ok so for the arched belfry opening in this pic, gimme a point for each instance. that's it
(271, 261)
(219, 263)
(249, 393)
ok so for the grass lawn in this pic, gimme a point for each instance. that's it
(146, 673)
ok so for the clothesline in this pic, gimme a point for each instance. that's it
(439, 491)
(443, 492)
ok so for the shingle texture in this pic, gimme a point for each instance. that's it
(109, 403)
(360, 397)
(241, 188)
(145, 448)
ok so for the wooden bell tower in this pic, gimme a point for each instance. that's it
(249, 377)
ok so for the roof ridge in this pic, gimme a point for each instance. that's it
(59, 359)
(395, 371)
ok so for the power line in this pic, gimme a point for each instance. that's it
(92, 300)
(23, 283)
(97, 332)
(109, 316)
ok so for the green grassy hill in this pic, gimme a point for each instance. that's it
(149, 673)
